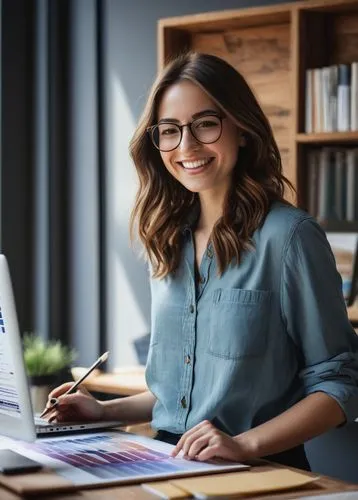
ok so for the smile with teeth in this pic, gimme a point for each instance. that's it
(192, 165)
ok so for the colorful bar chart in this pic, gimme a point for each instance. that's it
(115, 457)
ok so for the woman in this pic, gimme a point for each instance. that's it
(251, 350)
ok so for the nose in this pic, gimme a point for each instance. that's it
(188, 141)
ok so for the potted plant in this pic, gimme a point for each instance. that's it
(45, 361)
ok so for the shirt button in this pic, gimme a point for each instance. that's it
(191, 308)
(187, 359)
(202, 279)
(209, 253)
(183, 402)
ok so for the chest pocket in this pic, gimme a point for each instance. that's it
(239, 323)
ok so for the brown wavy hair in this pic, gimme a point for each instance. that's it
(163, 205)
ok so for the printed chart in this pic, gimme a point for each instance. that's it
(114, 457)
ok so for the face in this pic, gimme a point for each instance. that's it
(201, 168)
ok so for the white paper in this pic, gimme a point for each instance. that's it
(114, 458)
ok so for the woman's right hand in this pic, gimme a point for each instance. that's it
(80, 406)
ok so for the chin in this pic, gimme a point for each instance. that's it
(194, 189)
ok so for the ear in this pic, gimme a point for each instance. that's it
(242, 140)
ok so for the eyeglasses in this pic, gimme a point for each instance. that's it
(167, 136)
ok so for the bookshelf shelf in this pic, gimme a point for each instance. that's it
(328, 138)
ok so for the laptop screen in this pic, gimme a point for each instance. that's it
(16, 416)
(9, 397)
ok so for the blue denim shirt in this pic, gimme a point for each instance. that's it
(241, 348)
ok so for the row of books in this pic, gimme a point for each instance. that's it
(332, 98)
(332, 176)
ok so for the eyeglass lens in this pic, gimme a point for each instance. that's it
(167, 136)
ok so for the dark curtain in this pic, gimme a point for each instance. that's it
(51, 184)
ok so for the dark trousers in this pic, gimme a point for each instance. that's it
(295, 457)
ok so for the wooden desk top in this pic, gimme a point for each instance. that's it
(136, 492)
(353, 313)
(123, 381)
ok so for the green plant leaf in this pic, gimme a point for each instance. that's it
(45, 358)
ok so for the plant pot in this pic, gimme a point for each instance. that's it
(40, 387)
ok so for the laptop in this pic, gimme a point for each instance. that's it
(16, 415)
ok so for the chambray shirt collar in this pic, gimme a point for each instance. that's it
(191, 220)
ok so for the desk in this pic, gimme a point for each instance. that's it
(123, 381)
(323, 485)
(353, 314)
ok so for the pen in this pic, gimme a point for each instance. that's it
(54, 401)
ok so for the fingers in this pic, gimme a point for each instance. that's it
(205, 442)
(190, 436)
(83, 389)
(208, 453)
(53, 397)
(61, 389)
(196, 444)
(52, 417)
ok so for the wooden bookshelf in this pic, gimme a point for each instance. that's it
(328, 137)
(272, 47)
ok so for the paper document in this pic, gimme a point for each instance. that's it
(113, 458)
(227, 485)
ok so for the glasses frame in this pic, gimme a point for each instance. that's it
(150, 131)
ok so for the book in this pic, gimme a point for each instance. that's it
(326, 187)
(340, 185)
(352, 185)
(308, 110)
(354, 96)
(343, 98)
(312, 181)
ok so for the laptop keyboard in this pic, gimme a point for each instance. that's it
(40, 422)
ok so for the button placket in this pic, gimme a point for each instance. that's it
(183, 402)
(189, 326)
(185, 389)
(204, 274)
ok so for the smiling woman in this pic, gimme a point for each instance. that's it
(251, 352)
(201, 92)
(204, 151)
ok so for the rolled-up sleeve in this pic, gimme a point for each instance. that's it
(314, 312)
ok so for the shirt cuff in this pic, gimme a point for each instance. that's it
(338, 378)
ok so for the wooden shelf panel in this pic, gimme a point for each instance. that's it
(328, 137)
(335, 6)
(213, 22)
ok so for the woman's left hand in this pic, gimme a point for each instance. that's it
(204, 441)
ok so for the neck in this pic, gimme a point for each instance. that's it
(211, 209)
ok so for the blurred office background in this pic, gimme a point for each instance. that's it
(75, 76)
(74, 79)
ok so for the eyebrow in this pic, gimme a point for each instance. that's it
(205, 112)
